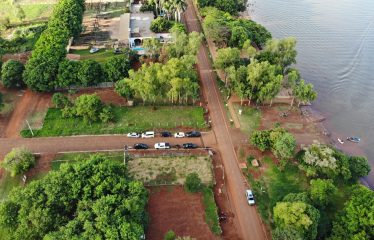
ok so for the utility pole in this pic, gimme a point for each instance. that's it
(32, 133)
(124, 154)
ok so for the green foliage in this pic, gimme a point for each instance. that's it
(297, 197)
(261, 139)
(161, 24)
(183, 44)
(60, 100)
(359, 167)
(230, 6)
(124, 90)
(11, 74)
(322, 191)
(152, 46)
(42, 68)
(90, 73)
(304, 92)
(170, 235)
(193, 183)
(227, 57)
(18, 161)
(116, 68)
(286, 234)
(211, 211)
(299, 216)
(88, 107)
(91, 199)
(68, 73)
(106, 114)
(356, 221)
(1, 101)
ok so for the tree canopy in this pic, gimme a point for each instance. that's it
(116, 68)
(11, 74)
(92, 199)
(322, 191)
(18, 161)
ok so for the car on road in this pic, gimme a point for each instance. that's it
(149, 134)
(249, 196)
(140, 146)
(179, 135)
(193, 134)
(162, 145)
(133, 135)
(189, 146)
(94, 50)
(166, 134)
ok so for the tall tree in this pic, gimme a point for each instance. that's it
(322, 191)
(116, 68)
(304, 92)
(68, 73)
(227, 57)
(152, 46)
(90, 73)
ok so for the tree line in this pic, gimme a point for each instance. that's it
(50, 50)
(229, 6)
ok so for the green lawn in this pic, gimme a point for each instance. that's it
(31, 11)
(211, 211)
(249, 119)
(126, 119)
(101, 56)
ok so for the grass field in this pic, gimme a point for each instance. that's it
(101, 56)
(8, 101)
(31, 11)
(170, 170)
(211, 210)
(126, 119)
(249, 119)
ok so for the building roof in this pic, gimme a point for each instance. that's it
(140, 24)
(124, 27)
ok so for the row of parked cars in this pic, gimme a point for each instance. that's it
(165, 145)
(151, 134)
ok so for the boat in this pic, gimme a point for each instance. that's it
(354, 139)
(341, 141)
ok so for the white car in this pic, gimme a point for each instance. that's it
(94, 50)
(250, 198)
(179, 135)
(133, 135)
(162, 145)
(149, 134)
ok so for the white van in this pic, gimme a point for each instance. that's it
(149, 134)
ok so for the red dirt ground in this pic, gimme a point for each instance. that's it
(171, 208)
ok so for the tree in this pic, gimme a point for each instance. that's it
(356, 221)
(193, 183)
(304, 92)
(68, 73)
(116, 68)
(261, 139)
(59, 100)
(170, 235)
(299, 216)
(91, 199)
(227, 57)
(124, 89)
(264, 80)
(359, 167)
(88, 107)
(322, 191)
(297, 197)
(239, 83)
(106, 114)
(284, 145)
(160, 25)
(249, 49)
(90, 73)
(18, 161)
(152, 46)
(286, 234)
(11, 74)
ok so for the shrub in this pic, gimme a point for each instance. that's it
(18, 161)
(161, 24)
(170, 235)
(11, 74)
(59, 100)
(90, 73)
(193, 183)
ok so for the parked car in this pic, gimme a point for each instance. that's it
(162, 145)
(140, 146)
(189, 145)
(249, 196)
(117, 51)
(179, 135)
(193, 134)
(133, 135)
(94, 50)
(166, 134)
(149, 134)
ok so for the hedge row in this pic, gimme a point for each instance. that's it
(50, 50)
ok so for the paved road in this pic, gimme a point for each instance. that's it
(83, 143)
(249, 223)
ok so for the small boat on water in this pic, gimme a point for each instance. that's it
(341, 141)
(354, 139)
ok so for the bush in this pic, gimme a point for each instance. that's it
(193, 183)
(11, 74)
(116, 68)
(18, 161)
(161, 24)
(170, 235)
(90, 73)
(59, 100)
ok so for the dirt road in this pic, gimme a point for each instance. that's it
(249, 223)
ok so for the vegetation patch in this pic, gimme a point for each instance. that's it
(211, 210)
(249, 119)
(170, 170)
(101, 56)
(126, 119)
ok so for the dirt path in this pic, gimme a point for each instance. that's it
(249, 223)
(29, 103)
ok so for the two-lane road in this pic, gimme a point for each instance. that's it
(248, 220)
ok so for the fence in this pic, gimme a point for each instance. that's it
(99, 85)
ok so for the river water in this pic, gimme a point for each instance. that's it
(335, 44)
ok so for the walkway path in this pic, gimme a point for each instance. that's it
(249, 223)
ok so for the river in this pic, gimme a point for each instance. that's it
(335, 44)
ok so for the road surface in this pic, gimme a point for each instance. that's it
(249, 223)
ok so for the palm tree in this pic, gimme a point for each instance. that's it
(179, 6)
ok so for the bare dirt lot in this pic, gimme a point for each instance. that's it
(171, 208)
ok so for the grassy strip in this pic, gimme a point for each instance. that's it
(101, 56)
(211, 210)
(126, 119)
(31, 11)
(77, 157)
(249, 119)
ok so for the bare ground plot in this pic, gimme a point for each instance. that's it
(170, 170)
(171, 208)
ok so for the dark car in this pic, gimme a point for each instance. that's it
(193, 134)
(141, 146)
(166, 134)
(189, 145)
(117, 51)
